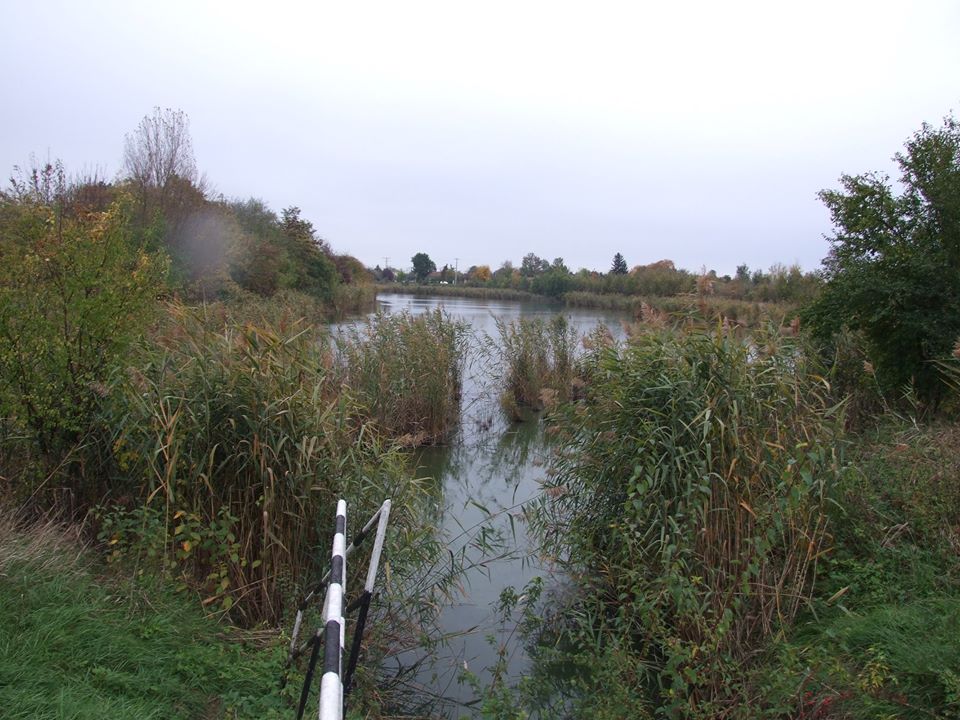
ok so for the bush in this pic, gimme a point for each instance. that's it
(75, 292)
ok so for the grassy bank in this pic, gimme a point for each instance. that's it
(479, 293)
(81, 641)
(882, 635)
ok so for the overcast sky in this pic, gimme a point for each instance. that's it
(695, 131)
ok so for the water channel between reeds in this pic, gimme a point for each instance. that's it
(484, 475)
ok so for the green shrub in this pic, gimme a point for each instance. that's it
(75, 291)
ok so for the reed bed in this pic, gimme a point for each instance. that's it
(465, 291)
(535, 361)
(406, 371)
(689, 307)
(353, 299)
(231, 441)
(232, 444)
(689, 500)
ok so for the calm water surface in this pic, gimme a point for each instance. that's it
(490, 467)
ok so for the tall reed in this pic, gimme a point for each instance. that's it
(407, 372)
(535, 361)
(353, 299)
(232, 443)
(689, 497)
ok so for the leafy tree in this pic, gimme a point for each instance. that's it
(619, 265)
(316, 273)
(422, 266)
(480, 274)
(893, 272)
(351, 270)
(533, 265)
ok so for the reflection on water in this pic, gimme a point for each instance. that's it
(486, 473)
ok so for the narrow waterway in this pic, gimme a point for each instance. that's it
(484, 475)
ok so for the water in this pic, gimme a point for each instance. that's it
(487, 471)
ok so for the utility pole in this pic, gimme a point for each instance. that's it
(456, 262)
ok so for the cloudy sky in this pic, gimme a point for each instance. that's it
(695, 131)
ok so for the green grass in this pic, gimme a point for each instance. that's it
(79, 642)
(882, 637)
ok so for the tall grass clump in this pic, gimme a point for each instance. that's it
(231, 444)
(353, 299)
(689, 501)
(535, 360)
(407, 372)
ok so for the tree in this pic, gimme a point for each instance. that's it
(480, 274)
(893, 272)
(160, 149)
(533, 265)
(619, 265)
(158, 161)
(422, 266)
(316, 273)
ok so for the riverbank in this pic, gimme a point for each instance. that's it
(709, 308)
(462, 291)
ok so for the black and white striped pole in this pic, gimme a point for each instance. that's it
(331, 682)
(380, 517)
(335, 684)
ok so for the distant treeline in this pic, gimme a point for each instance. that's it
(660, 279)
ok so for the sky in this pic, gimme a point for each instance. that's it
(477, 132)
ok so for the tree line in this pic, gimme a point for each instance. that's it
(538, 275)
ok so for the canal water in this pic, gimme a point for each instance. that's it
(485, 474)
